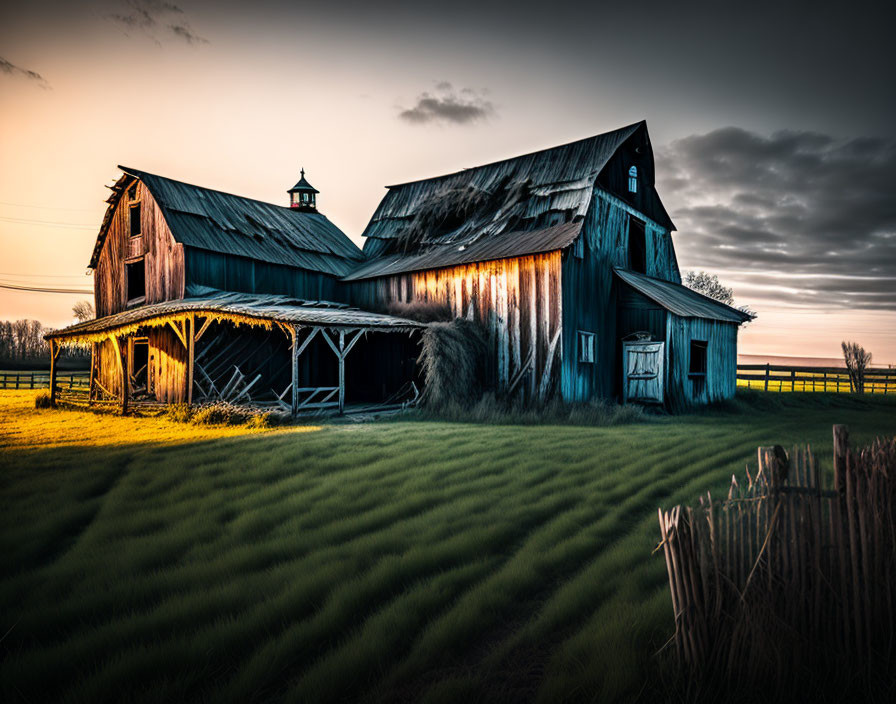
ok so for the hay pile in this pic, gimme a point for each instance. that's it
(450, 209)
(453, 360)
(421, 311)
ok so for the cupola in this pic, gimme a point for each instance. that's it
(303, 196)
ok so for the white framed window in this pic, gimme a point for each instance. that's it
(633, 179)
(586, 347)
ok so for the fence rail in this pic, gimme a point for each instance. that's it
(769, 377)
(41, 380)
(785, 574)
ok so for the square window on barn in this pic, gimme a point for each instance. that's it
(586, 347)
(134, 217)
(578, 247)
(697, 364)
(136, 275)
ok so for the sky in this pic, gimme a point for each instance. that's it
(774, 128)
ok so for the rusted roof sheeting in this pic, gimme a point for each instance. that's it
(509, 244)
(222, 222)
(560, 184)
(247, 306)
(680, 300)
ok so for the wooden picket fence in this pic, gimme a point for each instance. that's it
(786, 574)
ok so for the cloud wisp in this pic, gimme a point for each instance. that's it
(10, 69)
(807, 216)
(149, 17)
(445, 105)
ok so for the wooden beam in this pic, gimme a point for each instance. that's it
(342, 353)
(348, 347)
(208, 321)
(330, 342)
(53, 355)
(123, 369)
(91, 384)
(297, 350)
(178, 332)
(191, 350)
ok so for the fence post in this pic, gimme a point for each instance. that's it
(792, 379)
(841, 448)
(766, 375)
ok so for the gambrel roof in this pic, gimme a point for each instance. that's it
(221, 222)
(520, 202)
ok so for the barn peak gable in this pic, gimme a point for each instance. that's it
(221, 222)
(533, 192)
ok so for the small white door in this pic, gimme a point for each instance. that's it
(642, 364)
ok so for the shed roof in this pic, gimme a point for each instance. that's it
(221, 222)
(680, 300)
(507, 244)
(526, 193)
(245, 308)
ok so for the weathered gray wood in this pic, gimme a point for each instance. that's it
(121, 355)
(191, 353)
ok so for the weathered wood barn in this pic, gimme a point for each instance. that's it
(564, 256)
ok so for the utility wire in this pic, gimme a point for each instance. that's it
(47, 223)
(38, 289)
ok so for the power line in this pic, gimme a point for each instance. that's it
(47, 223)
(38, 289)
(46, 207)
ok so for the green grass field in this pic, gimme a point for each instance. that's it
(383, 562)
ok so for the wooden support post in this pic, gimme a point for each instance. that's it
(341, 372)
(90, 383)
(191, 349)
(767, 372)
(54, 352)
(295, 370)
(123, 369)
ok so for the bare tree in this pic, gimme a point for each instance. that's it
(709, 285)
(857, 359)
(83, 311)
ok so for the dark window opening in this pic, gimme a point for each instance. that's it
(136, 275)
(633, 179)
(637, 246)
(134, 215)
(697, 364)
(132, 192)
(586, 347)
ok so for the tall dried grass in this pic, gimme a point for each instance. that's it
(453, 361)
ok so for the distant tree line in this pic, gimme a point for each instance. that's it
(23, 340)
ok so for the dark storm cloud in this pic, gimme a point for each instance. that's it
(801, 210)
(11, 69)
(447, 105)
(150, 16)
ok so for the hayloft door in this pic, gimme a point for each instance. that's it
(642, 364)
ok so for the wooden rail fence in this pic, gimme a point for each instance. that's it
(769, 377)
(41, 380)
(786, 574)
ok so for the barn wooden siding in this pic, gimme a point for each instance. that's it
(168, 356)
(683, 391)
(228, 272)
(518, 301)
(590, 297)
(164, 258)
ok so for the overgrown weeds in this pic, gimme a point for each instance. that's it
(220, 413)
(42, 400)
(491, 410)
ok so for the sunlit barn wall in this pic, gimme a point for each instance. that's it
(517, 300)
(164, 258)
